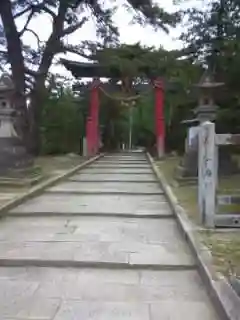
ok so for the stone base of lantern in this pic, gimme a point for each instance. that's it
(187, 170)
(227, 165)
(15, 162)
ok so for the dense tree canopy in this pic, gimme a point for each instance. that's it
(211, 39)
(30, 66)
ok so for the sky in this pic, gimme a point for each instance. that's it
(128, 33)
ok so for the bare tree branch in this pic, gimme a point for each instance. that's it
(43, 7)
(36, 36)
(27, 23)
(52, 43)
(29, 79)
(74, 49)
(30, 72)
(74, 27)
(34, 9)
(21, 13)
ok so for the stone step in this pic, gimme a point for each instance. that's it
(92, 294)
(114, 177)
(98, 203)
(107, 187)
(114, 240)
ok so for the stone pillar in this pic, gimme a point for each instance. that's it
(207, 173)
(159, 117)
(84, 147)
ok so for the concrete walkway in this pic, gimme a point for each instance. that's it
(103, 245)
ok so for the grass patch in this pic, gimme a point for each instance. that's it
(225, 249)
(56, 164)
(48, 167)
(186, 194)
(224, 244)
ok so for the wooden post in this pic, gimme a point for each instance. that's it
(159, 117)
(207, 173)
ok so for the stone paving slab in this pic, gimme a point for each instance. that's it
(117, 170)
(113, 177)
(115, 240)
(82, 231)
(130, 155)
(107, 187)
(91, 294)
(96, 203)
(122, 162)
(119, 165)
(125, 158)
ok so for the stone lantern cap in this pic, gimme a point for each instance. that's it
(6, 83)
(207, 82)
(6, 96)
(190, 122)
(207, 108)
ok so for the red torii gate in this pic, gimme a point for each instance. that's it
(92, 125)
(96, 71)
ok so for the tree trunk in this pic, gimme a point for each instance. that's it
(39, 90)
(30, 120)
(35, 130)
(16, 60)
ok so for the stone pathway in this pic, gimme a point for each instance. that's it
(102, 245)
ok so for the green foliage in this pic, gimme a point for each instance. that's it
(212, 39)
(143, 121)
(141, 64)
(62, 124)
(137, 61)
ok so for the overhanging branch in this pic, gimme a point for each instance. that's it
(72, 49)
(74, 27)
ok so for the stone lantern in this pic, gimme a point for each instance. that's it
(207, 109)
(14, 158)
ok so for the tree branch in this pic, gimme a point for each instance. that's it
(46, 9)
(51, 45)
(27, 23)
(14, 46)
(36, 36)
(74, 27)
(30, 72)
(34, 9)
(73, 49)
(21, 13)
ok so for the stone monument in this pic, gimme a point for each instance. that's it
(205, 111)
(14, 159)
(187, 167)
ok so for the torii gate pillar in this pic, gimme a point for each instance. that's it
(92, 126)
(159, 117)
